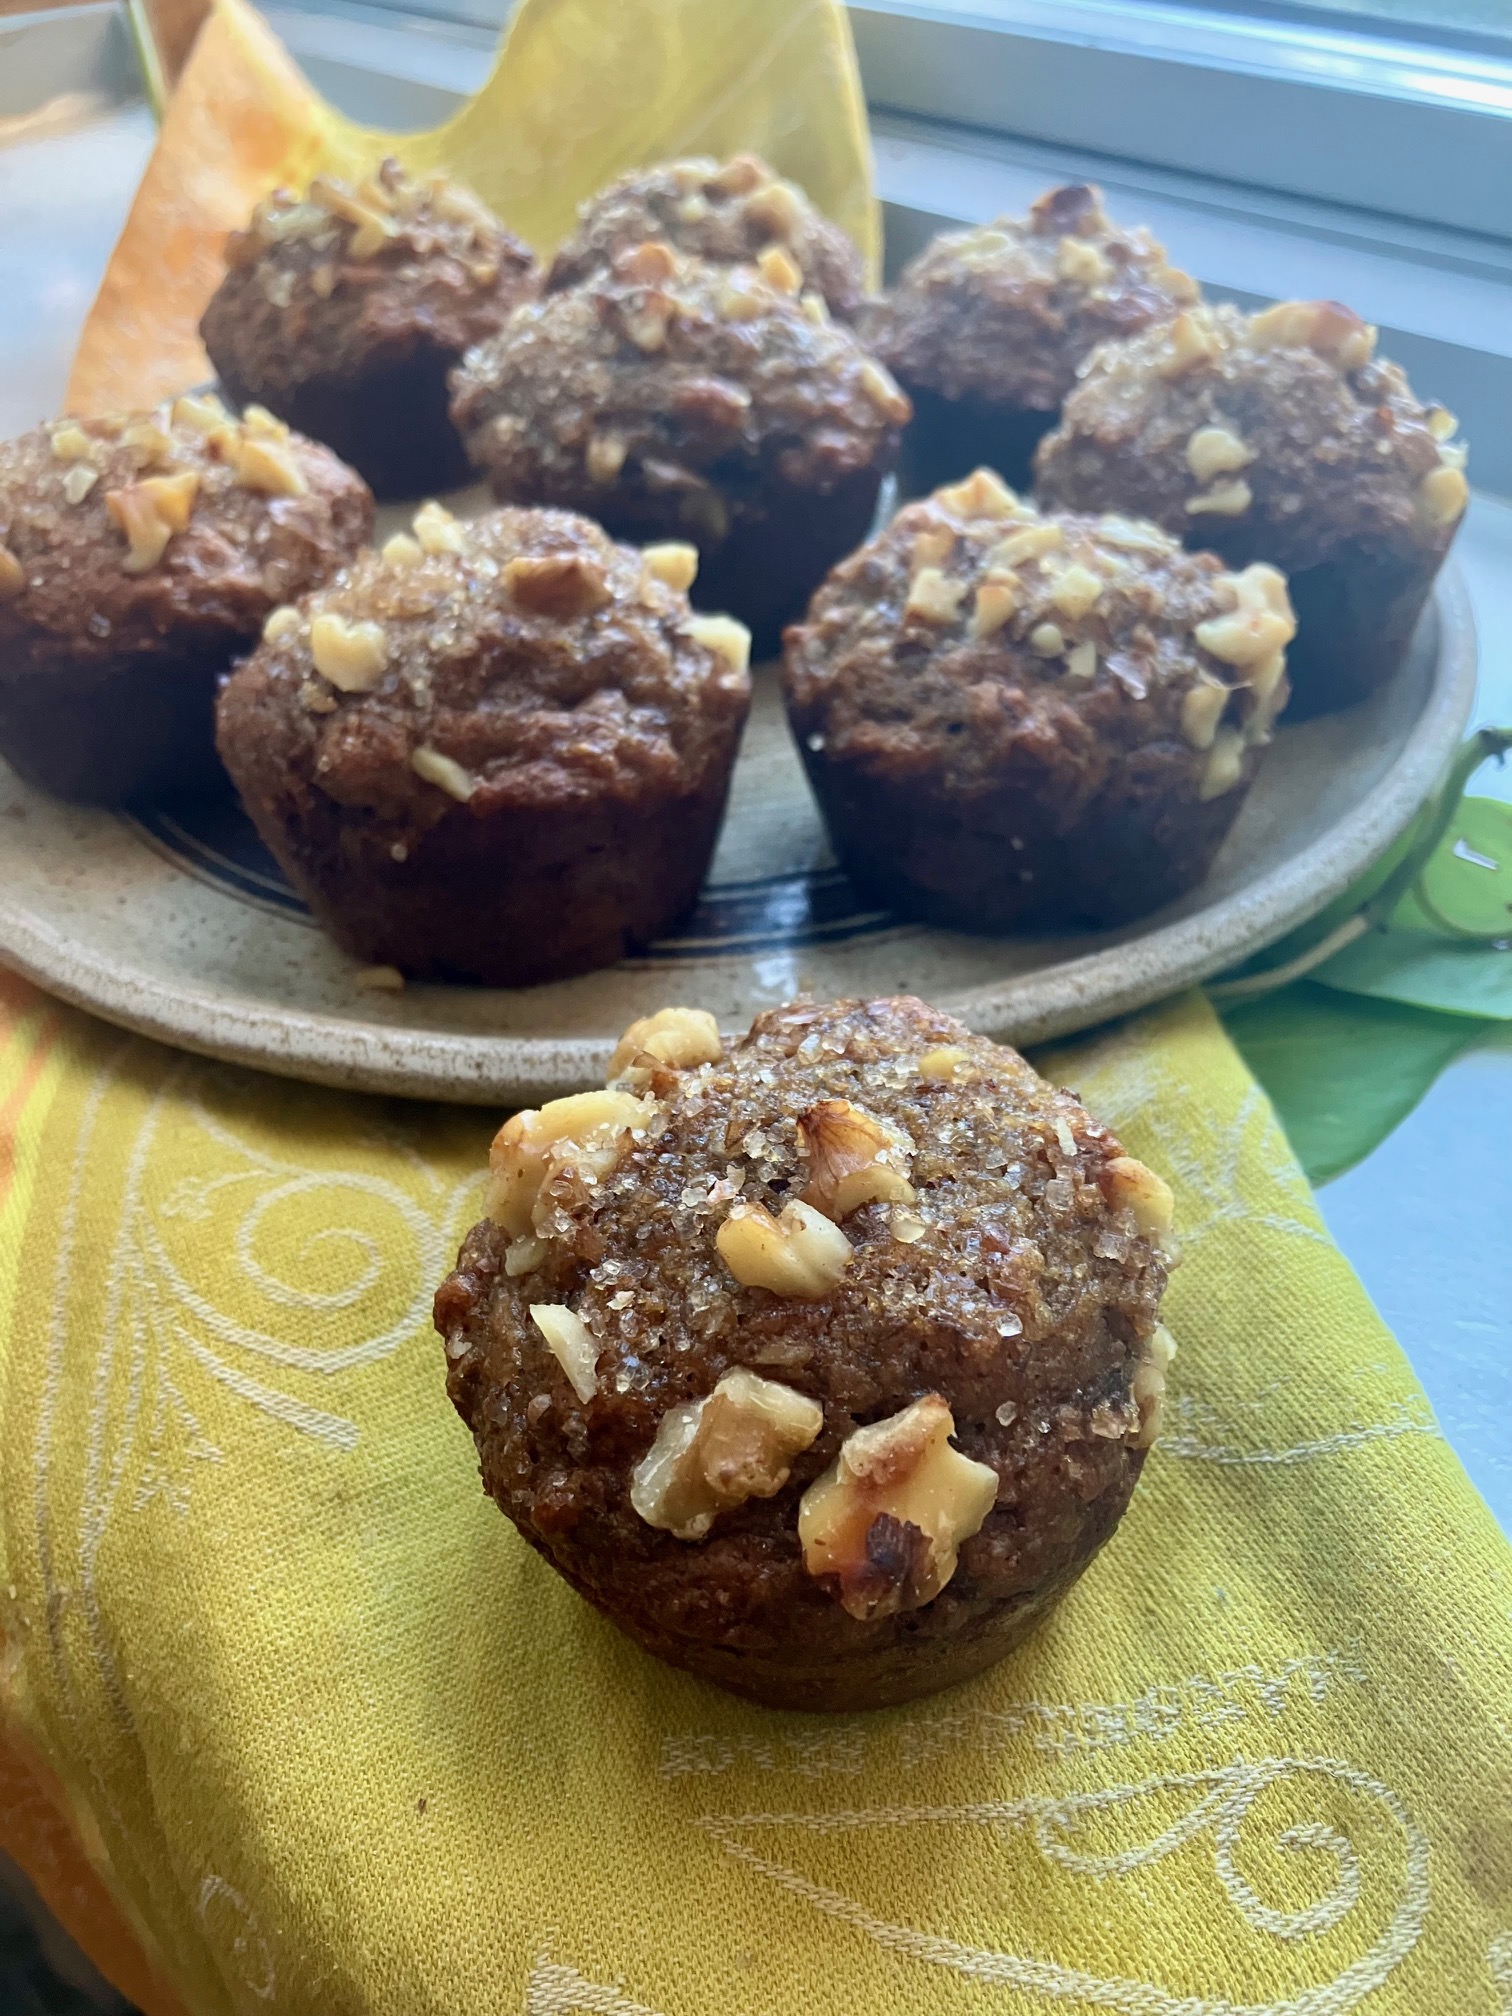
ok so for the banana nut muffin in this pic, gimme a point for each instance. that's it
(726, 212)
(139, 555)
(495, 751)
(670, 398)
(1015, 721)
(986, 329)
(823, 1365)
(1279, 437)
(343, 311)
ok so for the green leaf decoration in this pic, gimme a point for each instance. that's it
(1467, 885)
(1342, 1070)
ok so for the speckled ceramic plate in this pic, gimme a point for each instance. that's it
(181, 925)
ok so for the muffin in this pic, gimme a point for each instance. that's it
(344, 310)
(139, 556)
(824, 1364)
(986, 329)
(1018, 722)
(1277, 437)
(495, 751)
(727, 213)
(669, 398)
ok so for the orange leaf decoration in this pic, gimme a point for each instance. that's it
(582, 91)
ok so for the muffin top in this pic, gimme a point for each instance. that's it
(523, 659)
(666, 377)
(182, 523)
(974, 637)
(726, 213)
(858, 1218)
(1224, 423)
(1006, 312)
(322, 284)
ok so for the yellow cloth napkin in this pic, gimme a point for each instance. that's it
(293, 1721)
(582, 91)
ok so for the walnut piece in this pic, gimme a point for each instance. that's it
(1075, 590)
(1148, 1386)
(1130, 1185)
(948, 1061)
(200, 412)
(780, 269)
(445, 772)
(586, 1131)
(1046, 640)
(1190, 343)
(12, 576)
(723, 636)
(996, 599)
(1033, 543)
(1442, 496)
(1082, 263)
(1260, 624)
(280, 623)
(604, 457)
(438, 531)
(934, 597)
(1201, 711)
(711, 1454)
(882, 389)
(267, 466)
(351, 655)
(680, 1037)
(674, 563)
(889, 1515)
(149, 513)
(1216, 451)
(1225, 764)
(1081, 660)
(571, 1343)
(1327, 327)
(799, 1253)
(982, 494)
(853, 1159)
(776, 209)
(563, 585)
(1223, 500)
(401, 550)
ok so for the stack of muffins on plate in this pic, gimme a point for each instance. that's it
(1015, 716)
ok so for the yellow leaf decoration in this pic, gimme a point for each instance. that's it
(582, 91)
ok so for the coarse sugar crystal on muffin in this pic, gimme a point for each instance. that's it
(493, 751)
(824, 1363)
(139, 555)
(1017, 721)
(673, 399)
(986, 328)
(1280, 437)
(343, 310)
(726, 212)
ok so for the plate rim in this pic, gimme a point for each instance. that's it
(1074, 994)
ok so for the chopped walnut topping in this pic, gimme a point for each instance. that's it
(1261, 623)
(1201, 711)
(586, 1131)
(693, 209)
(1190, 343)
(815, 307)
(673, 563)
(267, 467)
(149, 513)
(1216, 451)
(647, 327)
(1442, 495)
(932, 547)
(71, 444)
(1075, 589)
(888, 1517)
(201, 412)
(368, 210)
(400, 550)
(1080, 262)
(1046, 640)
(1224, 500)
(724, 636)
(563, 585)
(1081, 660)
(604, 457)
(649, 263)
(523, 1256)
(1225, 764)
(438, 531)
(739, 176)
(780, 270)
(996, 599)
(1441, 423)
(571, 1344)
(280, 622)
(776, 209)
(711, 1454)
(882, 389)
(79, 481)
(853, 1159)
(1130, 1185)
(983, 494)
(680, 1037)
(351, 655)
(799, 1253)
(12, 576)
(742, 297)
(946, 1062)
(934, 597)
(444, 772)
(1033, 543)
(1133, 535)
(1329, 328)
(1148, 1386)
